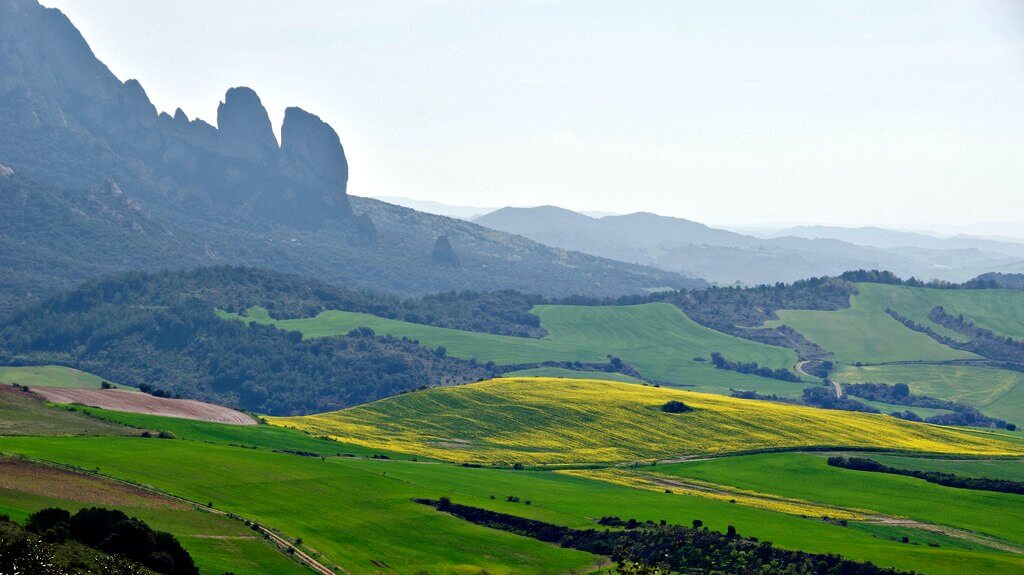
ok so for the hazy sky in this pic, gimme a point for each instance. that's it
(896, 113)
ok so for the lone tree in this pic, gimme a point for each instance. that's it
(676, 407)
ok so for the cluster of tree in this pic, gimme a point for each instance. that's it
(937, 477)
(983, 342)
(22, 552)
(889, 278)
(751, 368)
(113, 532)
(819, 367)
(824, 396)
(1004, 281)
(669, 548)
(285, 296)
(899, 394)
(186, 349)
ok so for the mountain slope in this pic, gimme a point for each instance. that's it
(228, 193)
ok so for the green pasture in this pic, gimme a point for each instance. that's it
(863, 332)
(1009, 469)
(996, 392)
(357, 511)
(49, 376)
(808, 477)
(658, 339)
(1000, 310)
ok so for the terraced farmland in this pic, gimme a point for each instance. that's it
(558, 421)
(658, 339)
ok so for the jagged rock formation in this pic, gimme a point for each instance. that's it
(189, 193)
(52, 85)
(243, 126)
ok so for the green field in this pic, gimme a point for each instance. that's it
(49, 376)
(865, 333)
(216, 543)
(658, 339)
(354, 511)
(1009, 469)
(561, 421)
(996, 392)
(571, 374)
(1001, 311)
(808, 477)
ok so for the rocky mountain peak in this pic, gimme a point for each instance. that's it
(311, 152)
(244, 126)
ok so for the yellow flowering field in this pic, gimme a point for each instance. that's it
(553, 421)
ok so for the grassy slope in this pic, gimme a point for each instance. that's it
(658, 339)
(1001, 311)
(49, 376)
(355, 511)
(996, 392)
(216, 543)
(265, 437)
(865, 333)
(808, 477)
(1012, 469)
(560, 421)
(25, 414)
(571, 374)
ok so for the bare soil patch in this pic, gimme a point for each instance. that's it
(138, 402)
(36, 479)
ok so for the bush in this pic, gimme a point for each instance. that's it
(676, 407)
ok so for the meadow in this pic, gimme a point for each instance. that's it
(996, 392)
(355, 512)
(807, 476)
(538, 421)
(658, 339)
(49, 376)
(1000, 310)
(864, 333)
(217, 544)
(1009, 469)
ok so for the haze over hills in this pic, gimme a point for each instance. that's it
(79, 147)
(724, 256)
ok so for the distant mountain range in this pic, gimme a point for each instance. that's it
(94, 180)
(723, 256)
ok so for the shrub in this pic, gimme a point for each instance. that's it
(676, 407)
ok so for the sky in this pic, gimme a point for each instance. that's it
(903, 114)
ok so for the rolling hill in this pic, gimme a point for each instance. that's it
(539, 421)
(656, 338)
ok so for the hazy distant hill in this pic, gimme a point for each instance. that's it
(885, 238)
(94, 179)
(723, 256)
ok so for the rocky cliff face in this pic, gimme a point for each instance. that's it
(243, 127)
(59, 104)
(311, 152)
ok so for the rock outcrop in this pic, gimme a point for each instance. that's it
(443, 253)
(311, 152)
(243, 126)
